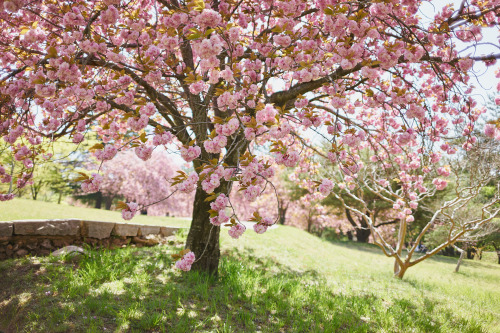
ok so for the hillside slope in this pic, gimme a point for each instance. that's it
(285, 280)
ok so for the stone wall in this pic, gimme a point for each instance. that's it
(40, 237)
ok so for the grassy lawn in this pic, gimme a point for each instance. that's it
(24, 209)
(283, 281)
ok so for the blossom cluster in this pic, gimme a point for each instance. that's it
(91, 185)
(186, 261)
(129, 212)
(261, 227)
(190, 184)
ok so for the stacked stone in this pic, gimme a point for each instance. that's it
(40, 237)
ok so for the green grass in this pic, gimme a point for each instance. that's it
(283, 281)
(23, 209)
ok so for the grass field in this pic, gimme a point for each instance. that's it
(23, 209)
(285, 280)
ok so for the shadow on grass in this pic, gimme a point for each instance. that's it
(137, 290)
(367, 247)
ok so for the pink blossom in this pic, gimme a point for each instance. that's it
(325, 187)
(227, 129)
(251, 193)
(267, 221)
(210, 183)
(163, 138)
(489, 130)
(219, 219)
(189, 185)
(144, 152)
(237, 230)
(109, 16)
(220, 203)
(129, 213)
(196, 87)
(266, 115)
(444, 171)
(250, 133)
(92, 184)
(260, 228)
(289, 159)
(107, 153)
(149, 109)
(138, 124)
(282, 40)
(208, 18)
(186, 262)
(78, 137)
(440, 184)
(214, 146)
(28, 163)
(190, 153)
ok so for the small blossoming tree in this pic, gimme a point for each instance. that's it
(129, 178)
(217, 79)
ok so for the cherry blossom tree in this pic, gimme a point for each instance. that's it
(218, 79)
(146, 183)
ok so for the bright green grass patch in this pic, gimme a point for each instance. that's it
(283, 281)
(22, 209)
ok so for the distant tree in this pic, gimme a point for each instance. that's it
(52, 171)
(146, 183)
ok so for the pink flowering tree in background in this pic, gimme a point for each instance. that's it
(272, 201)
(216, 80)
(306, 207)
(146, 183)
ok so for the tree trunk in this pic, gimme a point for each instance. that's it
(282, 212)
(98, 200)
(362, 235)
(462, 255)
(34, 192)
(497, 250)
(203, 237)
(309, 224)
(108, 201)
(399, 271)
(59, 198)
(361, 228)
(470, 252)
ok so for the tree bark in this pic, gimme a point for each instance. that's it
(203, 237)
(470, 252)
(399, 271)
(462, 255)
(362, 235)
(34, 191)
(108, 201)
(282, 212)
(497, 250)
(98, 200)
